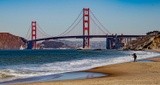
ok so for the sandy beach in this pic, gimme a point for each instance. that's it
(131, 73)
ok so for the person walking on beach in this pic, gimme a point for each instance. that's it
(135, 57)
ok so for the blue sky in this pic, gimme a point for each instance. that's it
(54, 16)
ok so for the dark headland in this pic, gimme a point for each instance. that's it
(9, 41)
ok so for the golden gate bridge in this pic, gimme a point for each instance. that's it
(112, 41)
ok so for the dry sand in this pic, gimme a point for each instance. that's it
(132, 73)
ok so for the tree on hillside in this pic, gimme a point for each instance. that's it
(153, 33)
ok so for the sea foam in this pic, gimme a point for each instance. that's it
(30, 70)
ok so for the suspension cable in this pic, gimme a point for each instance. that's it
(42, 31)
(28, 34)
(98, 26)
(100, 23)
(71, 25)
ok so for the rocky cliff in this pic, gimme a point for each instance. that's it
(9, 41)
(155, 44)
(147, 42)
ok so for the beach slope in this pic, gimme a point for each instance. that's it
(135, 73)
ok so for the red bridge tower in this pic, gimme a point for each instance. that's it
(34, 32)
(86, 28)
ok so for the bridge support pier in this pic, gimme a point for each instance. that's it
(114, 42)
(29, 45)
(109, 43)
(118, 43)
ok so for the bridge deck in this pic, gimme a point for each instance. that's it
(91, 36)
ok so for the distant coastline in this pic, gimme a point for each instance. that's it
(150, 42)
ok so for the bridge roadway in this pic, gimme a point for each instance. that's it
(91, 36)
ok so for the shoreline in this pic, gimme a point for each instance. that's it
(139, 73)
(116, 76)
(77, 75)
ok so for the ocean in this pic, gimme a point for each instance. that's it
(21, 64)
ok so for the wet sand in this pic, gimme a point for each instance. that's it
(131, 73)
(55, 77)
(156, 59)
